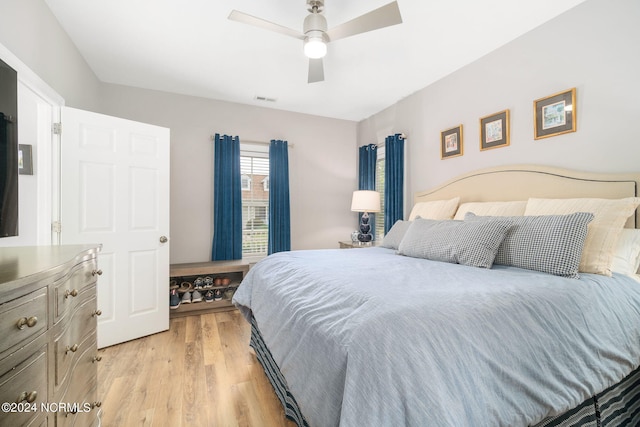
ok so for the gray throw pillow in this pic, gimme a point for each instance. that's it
(549, 243)
(393, 238)
(468, 243)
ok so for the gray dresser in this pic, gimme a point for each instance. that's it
(48, 350)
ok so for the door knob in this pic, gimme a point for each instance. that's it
(163, 239)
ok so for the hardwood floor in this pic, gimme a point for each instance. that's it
(201, 372)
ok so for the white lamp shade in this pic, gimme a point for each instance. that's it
(365, 201)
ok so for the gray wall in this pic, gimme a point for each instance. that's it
(31, 32)
(322, 163)
(593, 47)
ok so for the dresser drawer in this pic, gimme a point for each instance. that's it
(25, 383)
(80, 390)
(81, 415)
(73, 339)
(68, 289)
(23, 318)
(39, 422)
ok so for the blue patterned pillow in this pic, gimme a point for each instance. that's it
(468, 243)
(548, 243)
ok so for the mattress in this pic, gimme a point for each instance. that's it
(617, 406)
(368, 337)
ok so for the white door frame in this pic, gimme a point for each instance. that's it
(47, 160)
(45, 154)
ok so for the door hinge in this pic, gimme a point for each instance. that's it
(56, 226)
(56, 128)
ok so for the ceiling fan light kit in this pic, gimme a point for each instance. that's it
(315, 46)
(315, 31)
(315, 35)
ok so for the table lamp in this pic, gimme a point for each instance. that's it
(365, 201)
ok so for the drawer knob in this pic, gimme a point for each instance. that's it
(97, 358)
(96, 313)
(29, 397)
(72, 349)
(68, 293)
(96, 273)
(24, 322)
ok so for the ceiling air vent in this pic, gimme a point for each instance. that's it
(264, 98)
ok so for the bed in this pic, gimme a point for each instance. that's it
(414, 334)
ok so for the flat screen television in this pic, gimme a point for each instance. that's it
(8, 151)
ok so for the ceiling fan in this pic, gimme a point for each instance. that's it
(315, 34)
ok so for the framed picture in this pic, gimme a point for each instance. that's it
(25, 160)
(555, 114)
(494, 130)
(451, 142)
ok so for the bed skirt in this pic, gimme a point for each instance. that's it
(617, 406)
(279, 384)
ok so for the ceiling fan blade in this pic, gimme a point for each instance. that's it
(261, 23)
(384, 16)
(316, 70)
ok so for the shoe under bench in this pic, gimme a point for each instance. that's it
(235, 270)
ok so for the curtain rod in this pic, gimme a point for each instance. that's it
(382, 144)
(401, 136)
(290, 145)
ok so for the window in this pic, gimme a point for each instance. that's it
(379, 232)
(254, 167)
(246, 183)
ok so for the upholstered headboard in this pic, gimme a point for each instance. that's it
(520, 182)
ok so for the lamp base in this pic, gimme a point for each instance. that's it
(365, 229)
(365, 238)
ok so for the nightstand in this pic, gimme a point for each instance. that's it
(353, 245)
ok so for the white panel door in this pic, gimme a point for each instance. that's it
(115, 191)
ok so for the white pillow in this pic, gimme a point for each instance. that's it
(492, 209)
(626, 256)
(610, 215)
(437, 209)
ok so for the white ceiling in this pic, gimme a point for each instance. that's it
(190, 47)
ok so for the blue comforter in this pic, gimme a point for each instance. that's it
(365, 337)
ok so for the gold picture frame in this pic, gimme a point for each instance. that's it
(451, 143)
(555, 114)
(494, 130)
